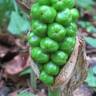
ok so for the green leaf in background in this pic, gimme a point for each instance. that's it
(91, 29)
(94, 70)
(91, 41)
(91, 79)
(85, 3)
(82, 24)
(18, 24)
(88, 26)
(28, 71)
(25, 71)
(25, 93)
(6, 6)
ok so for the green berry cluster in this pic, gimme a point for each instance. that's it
(53, 35)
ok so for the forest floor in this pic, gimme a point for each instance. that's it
(14, 59)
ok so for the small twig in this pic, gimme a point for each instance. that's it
(23, 5)
(91, 51)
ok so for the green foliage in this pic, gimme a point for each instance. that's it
(88, 26)
(91, 28)
(10, 11)
(25, 93)
(6, 6)
(91, 41)
(29, 71)
(91, 79)
(55, 92)
(85, 3)
(17, 24)
(25, 71)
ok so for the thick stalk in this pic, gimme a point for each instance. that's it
(54, 92)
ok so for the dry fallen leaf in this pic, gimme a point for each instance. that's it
(17, 64)
(3, 51)
(82, 91)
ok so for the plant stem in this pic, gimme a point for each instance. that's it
(54, 92)
(33, 80)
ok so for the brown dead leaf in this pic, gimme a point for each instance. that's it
(11, 44)
(3, 51)
(1, 83)
(4, 90)
(91, 61)
(17, 64)
(7, 39)
(41, 94)
(25, 4)
(82, 91)
(13, 94)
